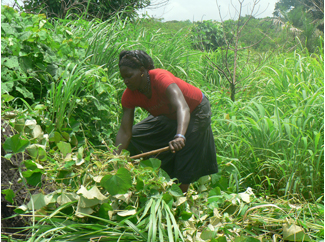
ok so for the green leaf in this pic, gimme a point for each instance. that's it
(37, 152)
(118, 183)
(207, 234)
(215, 191)
(6, 97)
(57, 137)
(6, 87)
(25, 92)
(64, 147)
(10, 62)
(15, 144)
(175, 190)
(8, 29)
(30, 165)
(103, 210)
(152, 162)
(19, 125)
(69, 164)
(33, 177)
(9, 195)
(140, 184)
(8, 156)
(162, 173)
(186, 215)
(168, 198)
(222, 239)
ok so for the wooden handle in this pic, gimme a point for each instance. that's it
(150, 153)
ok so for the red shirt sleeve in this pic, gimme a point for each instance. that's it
(127, 99)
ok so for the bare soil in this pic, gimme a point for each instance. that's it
(10, 180)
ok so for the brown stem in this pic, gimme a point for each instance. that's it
(153, 152)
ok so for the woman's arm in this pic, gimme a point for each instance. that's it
(177, 100)
(124, 134)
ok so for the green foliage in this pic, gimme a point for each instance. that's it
(274, 134)
(88, 9)
(10, 195)
(15, 144)
(33, 52)
(314, 7)
(118, 183)
(304, 19)
(207, 35)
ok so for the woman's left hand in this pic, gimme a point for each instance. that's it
(176, 144)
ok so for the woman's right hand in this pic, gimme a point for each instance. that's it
(176, 144)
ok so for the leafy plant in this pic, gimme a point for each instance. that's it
(207, 35)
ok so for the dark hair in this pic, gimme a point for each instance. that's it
(135, 59)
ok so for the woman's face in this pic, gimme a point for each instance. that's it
(132, 77)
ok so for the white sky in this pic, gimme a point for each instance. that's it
(203, 9)
(207, 9)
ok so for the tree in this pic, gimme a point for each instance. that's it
(230, 67)
(102, 9)
(207, 35)
(304, 16)
(314, 8)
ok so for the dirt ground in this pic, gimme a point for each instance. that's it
(9, 179)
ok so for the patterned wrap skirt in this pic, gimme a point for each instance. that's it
(196, 159)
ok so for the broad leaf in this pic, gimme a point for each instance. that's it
(103, 210)
(67, 197)
(25, 92)
(118, 183)
(64, 147)
(207, 234)
(186, 215)
(11, 62)
(9, 195)
(39, 202)
(152, 162)
(15, 144)
(175, 190)
(294, 233)
(33, 177)
(37, 152)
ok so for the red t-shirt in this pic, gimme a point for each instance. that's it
(159, 104)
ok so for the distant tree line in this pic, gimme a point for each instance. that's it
(89, 9)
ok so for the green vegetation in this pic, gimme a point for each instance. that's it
(61, 93)
(100, 9)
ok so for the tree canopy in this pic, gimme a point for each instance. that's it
(314, 8)
(101, 9)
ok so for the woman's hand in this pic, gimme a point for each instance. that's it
(176, 144)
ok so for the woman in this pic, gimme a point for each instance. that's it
(180, 116)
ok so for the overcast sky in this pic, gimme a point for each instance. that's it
(207, 9)
(203, 9)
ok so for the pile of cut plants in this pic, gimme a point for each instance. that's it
(96, 196)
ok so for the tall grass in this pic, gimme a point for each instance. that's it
(277, 136)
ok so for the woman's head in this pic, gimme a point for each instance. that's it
(134, 66)
(136, 59)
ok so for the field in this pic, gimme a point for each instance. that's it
(60, 112)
